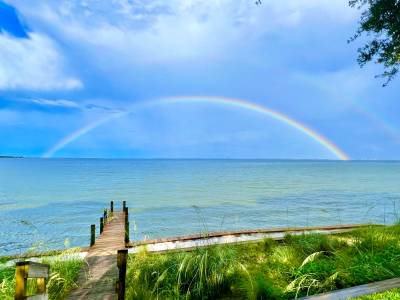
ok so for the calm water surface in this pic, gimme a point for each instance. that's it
(50, 203)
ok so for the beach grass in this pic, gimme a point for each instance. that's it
(297, 266)
(63, 277)
(388, 295)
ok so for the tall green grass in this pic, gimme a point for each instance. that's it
(298, 266)
(7, 283)
(202, 274)
(388, 295)
(63, 277)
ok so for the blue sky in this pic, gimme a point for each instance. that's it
(65, 64)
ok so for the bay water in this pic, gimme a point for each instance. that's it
(50, 203)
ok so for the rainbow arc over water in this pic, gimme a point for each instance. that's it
(215, 100)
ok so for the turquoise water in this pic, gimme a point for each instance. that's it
(50, 203)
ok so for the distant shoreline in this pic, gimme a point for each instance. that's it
(205, 159)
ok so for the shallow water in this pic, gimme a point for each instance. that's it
(50, 203)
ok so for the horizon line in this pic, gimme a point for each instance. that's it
(192, 158)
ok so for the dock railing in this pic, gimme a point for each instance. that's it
(104, 219)
(24, 271)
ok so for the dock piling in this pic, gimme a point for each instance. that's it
(126, 211)
(123, 205)
(126, 225)
(121, 263)
(92, 234)
(112, 206)
(126, 233)
(101, 225)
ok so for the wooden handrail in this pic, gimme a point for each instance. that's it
(29, 269)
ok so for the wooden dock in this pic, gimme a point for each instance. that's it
(98, 276)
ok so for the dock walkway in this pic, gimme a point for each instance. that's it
(98, 275)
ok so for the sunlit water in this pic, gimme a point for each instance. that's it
(50, 203)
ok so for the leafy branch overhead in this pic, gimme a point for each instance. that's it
(381, 21)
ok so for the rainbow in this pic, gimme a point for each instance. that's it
(317, 137)
(385, 126)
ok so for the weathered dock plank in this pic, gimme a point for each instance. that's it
(229, 237)
(97, 277)
(357, 291)
(213, 234)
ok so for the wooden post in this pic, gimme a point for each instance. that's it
(126, 225)
(126, 211)
(41, 285)
(20, 282)
(127, 233)
(92, 234)
(101, 225)
(105, 216)
(112, 206)
(123, 205)
(126, 216)
(121, 263)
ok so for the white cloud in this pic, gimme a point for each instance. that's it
(56, 102)
(33, 64)
(123, 32)
(177, 32)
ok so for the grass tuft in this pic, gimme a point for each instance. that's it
(202, 274)
(388, 295)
